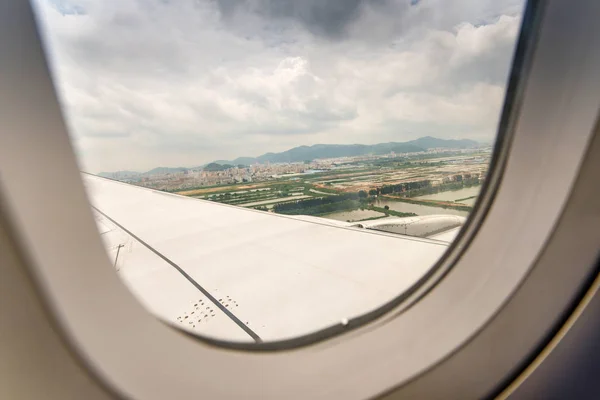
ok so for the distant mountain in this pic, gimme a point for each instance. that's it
(164, 170)
(429, 142)
(222, 162)
(243, 161)
(217, 167)
(119, 175)
(304, 153)
(309, 153)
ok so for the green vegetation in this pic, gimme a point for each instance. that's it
(403, 187)
(353, 186)
(424, 187)
(324, 190)
(205, 190)
(346, 205)
(330, 200)
(388, 212)
(460, 183)
(331, 204)
(335, 173)
(372, 218)
(321, 205)
(217, 167)
(432, 203)
(465, 198)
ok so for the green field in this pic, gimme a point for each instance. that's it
(354, 188)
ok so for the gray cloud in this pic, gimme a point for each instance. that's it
(358, 19)
(328, 18)
(147, 83)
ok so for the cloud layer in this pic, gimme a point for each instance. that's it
(146, 83)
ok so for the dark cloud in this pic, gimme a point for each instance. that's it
(329, 18)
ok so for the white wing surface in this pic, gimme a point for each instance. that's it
(246, 275)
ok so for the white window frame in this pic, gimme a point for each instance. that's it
(509, 277)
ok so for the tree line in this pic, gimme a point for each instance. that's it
(400, 187)
(322, 205)
(424, 187)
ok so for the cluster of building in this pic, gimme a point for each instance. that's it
(199, 177)
(215, 174)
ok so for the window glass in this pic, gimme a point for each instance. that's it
(304, 162)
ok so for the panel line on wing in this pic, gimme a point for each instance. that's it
(189, 278)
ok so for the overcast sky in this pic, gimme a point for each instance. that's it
(147, 83)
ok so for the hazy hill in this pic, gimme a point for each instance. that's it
(309, 153)
(164, 170)
(217, 167)
(134, 174)
(303, 153)
(428, 142)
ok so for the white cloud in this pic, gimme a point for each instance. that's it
(476, 107)
(148, 83)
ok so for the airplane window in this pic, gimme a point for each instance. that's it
(262, 170)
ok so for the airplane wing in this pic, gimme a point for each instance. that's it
(247, 275)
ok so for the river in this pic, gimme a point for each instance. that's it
(452, 195)
(418, 208)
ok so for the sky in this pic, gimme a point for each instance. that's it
(148, 83)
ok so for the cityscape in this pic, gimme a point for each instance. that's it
(422, 181)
